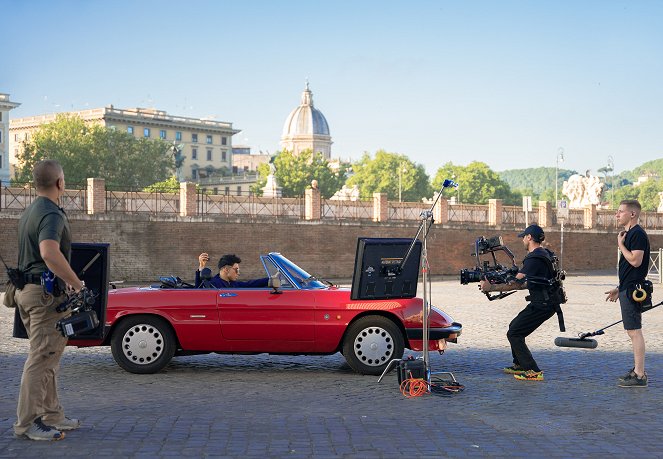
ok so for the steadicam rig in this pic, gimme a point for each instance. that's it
(494, 272)
(83, 318)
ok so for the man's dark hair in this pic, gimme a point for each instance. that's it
(632, 204)
(46, 174)
(229, 260)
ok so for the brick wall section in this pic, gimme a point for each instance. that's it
(144, 246)
(312, 204)
(545, 214)
(441, 211)
(188, 199)
(590, 216)
(495, 212)
(96, 196)
(380, 207)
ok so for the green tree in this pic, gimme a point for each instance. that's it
(383, 173)
(94, 151)
(294, 173)
(477, 183)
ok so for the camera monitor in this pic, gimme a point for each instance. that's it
(91, 262)
(378, 273)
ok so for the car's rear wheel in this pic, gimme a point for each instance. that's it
(143, 344)
(371, 343)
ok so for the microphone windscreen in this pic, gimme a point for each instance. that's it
(576, 342)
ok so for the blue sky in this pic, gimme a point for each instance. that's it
(504, 82)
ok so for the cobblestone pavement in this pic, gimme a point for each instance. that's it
(294, 406)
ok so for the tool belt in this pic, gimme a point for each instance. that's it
(30, 278)
(543, 297)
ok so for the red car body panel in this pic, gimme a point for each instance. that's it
(257, 320)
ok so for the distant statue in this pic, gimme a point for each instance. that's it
(314, 184)
(272, 189)
(583, 190)
(347, 194)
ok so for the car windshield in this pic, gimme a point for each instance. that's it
(297, 274)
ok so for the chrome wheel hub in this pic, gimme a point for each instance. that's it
(142, 344)
(374, 346)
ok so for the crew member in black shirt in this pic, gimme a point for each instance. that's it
(633, 245)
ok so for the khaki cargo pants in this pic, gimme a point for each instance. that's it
(39, 393)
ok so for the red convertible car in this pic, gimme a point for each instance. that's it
(147, 326)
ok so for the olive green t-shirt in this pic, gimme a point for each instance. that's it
(41, 221)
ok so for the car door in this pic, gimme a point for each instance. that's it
(259, 320)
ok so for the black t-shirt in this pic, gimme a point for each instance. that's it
(636, 239)
(42, 220)
(536, 269)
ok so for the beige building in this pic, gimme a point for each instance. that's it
(206, 145)
(5, 107)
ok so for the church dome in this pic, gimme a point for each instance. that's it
(305, 120)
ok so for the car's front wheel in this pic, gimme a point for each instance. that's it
(143, 344)
(371, 343)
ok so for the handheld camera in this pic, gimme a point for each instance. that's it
(83, 318)
(494, 272)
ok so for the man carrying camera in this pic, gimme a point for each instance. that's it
(633, 245)
(532, 276)
(44, 249)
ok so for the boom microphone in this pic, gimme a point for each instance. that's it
(576, 342)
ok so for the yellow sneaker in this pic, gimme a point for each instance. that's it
(530, 375)
(513, 370)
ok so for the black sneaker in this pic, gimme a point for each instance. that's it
(634, 381)
(40, 431)
(628, 375)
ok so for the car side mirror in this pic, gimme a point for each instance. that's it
(274, 283)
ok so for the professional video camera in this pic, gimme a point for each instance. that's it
(82, 318)
(495, 273)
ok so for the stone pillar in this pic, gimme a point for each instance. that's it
(545, 214)
(380, 207)
(494, 212)
(312, 204)
(441, 211)
(96, 196)
(590, 216)
(188, 199)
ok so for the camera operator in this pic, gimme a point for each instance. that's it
(540, 308)
(44, 249)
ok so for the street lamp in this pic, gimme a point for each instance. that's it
(559, 159)
(611, 166)
(401, 169)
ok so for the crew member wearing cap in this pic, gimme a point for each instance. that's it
(536, 312)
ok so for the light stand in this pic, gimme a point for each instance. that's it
(424, 226)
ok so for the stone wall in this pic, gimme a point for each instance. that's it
(146, 246)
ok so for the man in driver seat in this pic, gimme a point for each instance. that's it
(228, 273)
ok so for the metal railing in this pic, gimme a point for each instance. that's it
(334, 209)
(249, 205)
(20, 197)
(156, 202)
(468, 213)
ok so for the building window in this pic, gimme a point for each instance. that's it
(194, 138)
(0, 117)
(178, 136)
(209, 139)
(209, 155)
(223, 156)
(194, 174)
(146, 132)
(0, 139)
(0, 161)
(130, 130)
(239, 190)
(227, 190)
(194, 153)
(216, 190)
(224, 140)
(162, 134)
